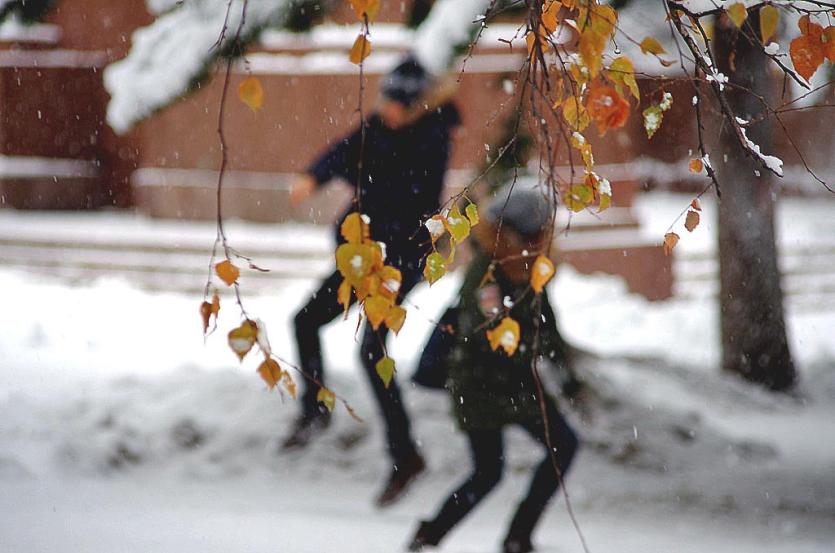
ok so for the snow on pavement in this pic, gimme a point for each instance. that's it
(121, 430)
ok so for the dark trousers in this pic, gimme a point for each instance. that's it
(488, 462)
(322, 309)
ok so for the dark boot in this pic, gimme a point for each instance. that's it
(518, 538)
(402, 475)
(427, 535)
(517, 545)
(304, 429)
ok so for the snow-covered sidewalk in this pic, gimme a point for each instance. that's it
(120, 430)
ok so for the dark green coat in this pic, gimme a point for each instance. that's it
(490, 389)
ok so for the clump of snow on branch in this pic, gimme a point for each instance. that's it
(450, 26)
(775, 164)
(170, 54)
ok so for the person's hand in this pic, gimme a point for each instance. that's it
(301, 189)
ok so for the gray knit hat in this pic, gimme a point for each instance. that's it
(524, 208)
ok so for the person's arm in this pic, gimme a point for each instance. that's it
(338, 161)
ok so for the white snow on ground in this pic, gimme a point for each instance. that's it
(121, 431)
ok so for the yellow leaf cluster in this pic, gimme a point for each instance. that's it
(361, 262)
(458, 226)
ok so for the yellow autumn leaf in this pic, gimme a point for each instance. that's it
(343, 295)
(395, 318)
(471, 211)
(390, 280)
(354, 229)
(326, 398)
(227, 272)
(435, 267)
(251, 93)
(737, 13)
(505, 335)
(385, 370)
(578, 197)
(436, 227)
(691, 221)
(376, 309)
(360, 50)
(575, 114)
(670, 241)
(541, 272)
(650, 45)
(270, 372)
(242, 339)
(355, 261)
(622, 72)
(457, 225)
(769, 21)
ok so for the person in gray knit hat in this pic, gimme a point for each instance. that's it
(490, 389)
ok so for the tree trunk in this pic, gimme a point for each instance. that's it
(754, 342)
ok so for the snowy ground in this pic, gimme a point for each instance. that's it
(121, 431)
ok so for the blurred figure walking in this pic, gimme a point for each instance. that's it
(399, 168)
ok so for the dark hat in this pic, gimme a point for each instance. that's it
(406, 83)
(524, 208)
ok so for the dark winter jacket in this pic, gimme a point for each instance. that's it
(488, 388)
(403, 174)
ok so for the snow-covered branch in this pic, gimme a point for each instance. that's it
(169, 55)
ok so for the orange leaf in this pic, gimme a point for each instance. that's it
(227, 272)
(251, 93)
(243, 338)
(575, 113)
(807, 55)
(607, 108)
(368, 8)
(360, 50)
(691, 221)
(737, 13)
(670, 241)
(695, 204)
(506, 335)
(696, 166)
(288, 383)
(809, 27)
(541, 272)
(769, 20)
(205, 314)
(215, 304)
(270, 371)
(829, 43)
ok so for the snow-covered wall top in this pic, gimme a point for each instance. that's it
(167, 56)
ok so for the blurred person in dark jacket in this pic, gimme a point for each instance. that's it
(398, 184)
(491, 390)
